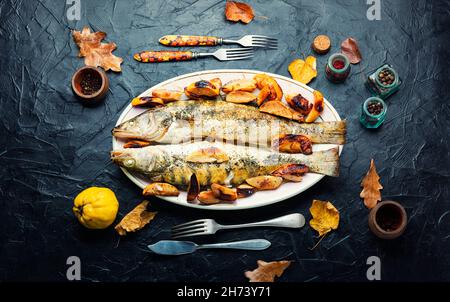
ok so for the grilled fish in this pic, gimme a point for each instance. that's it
(217, 162)
(184, 121)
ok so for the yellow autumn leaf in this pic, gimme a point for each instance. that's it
(325, 217)
(303, 70)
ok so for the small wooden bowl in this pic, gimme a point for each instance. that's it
(96, 96)
(391, 212)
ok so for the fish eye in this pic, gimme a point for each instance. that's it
(129, 163)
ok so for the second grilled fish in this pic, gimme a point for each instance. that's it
(217, 162)
(183, 121)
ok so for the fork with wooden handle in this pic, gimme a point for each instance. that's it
(246, 41)
(169, 56)
(209, 226)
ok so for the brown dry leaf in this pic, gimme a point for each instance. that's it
(303, 71)
(238, 11)
(350, 48)
(371, 187)
(94, 52)
(325, 217)
(135, 220)
(267, 271)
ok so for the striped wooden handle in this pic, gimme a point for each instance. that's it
(163, 56)
(177, 40)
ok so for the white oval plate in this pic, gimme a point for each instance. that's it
(258, 199)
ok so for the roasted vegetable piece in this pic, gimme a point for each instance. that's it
(291, 172)
(160, 189)
(264, 95)
(292, 143)
(299, 103)
(279, 109)
(240, 97)
(248, 85)
(317, 108)
(203, 89)
(245, 190)
(147, 102)
(207, 155)
(224, 193)
(136, 144)
(263, 80)
(193, 188)
(167, 95)
(266, 182)
(217, 83)
(207, 197)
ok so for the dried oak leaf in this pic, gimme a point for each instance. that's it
(95, 52)
(267, 271)
(303, 71)
(238, 11)
(350, 48)
(135, 220)
(325, 217)
(371, 187)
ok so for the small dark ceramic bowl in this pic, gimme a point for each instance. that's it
(387, 220)
(96, 96)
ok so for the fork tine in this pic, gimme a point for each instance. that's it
(195, 232)
(264, 38)
(266, 46)
(238, 58)
(265, 43)
(238, 49)
(188, 224)
(189, 228)
(240, 53)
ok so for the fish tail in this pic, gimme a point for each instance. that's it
(323, 162)
(326, 132)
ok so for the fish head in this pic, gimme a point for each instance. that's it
(142, 159)
(150, 125)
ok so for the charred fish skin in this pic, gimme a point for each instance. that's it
(183, 121)
(170, 162)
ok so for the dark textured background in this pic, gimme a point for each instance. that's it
(52, 147)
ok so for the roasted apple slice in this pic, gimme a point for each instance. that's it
(266, 182)
(292, 143)
(299, 103)
(203, 89)
(279, 109)
(248, 85)
(160, 189)
(207, 197)
(263, 80)
(317, 108)
(147, 102)
(223, 193)
(240, 97)
(245, 190)
(291, 172)
(167, 95)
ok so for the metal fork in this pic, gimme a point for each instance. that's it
(253, 41)
(222, 54)
(209, 226)
(246, 41)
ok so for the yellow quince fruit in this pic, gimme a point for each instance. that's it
(96, 208)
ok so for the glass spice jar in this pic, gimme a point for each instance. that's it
(383, 82)
(373, 112)
(337, 68)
